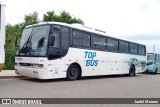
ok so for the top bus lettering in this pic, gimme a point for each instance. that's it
(90, 56)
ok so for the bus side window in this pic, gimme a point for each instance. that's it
(124, 46)
(86, 40)
(77, 38)
(133, 48)
(112, 44)
(98, 42)
(141, 50)
(64, 40)
(54, 44)
(54, 39)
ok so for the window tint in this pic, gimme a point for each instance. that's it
(99, 42)
(133, 48)
(86, 40)
(64, 40)
(141, 50)
(55, 38)
(77, 38)
(65, 37)
(123, 47)
(112, 44)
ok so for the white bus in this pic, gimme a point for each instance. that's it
(2, 36)
(57, 50)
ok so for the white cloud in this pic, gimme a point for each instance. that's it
(119, 18)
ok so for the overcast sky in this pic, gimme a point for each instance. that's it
(135, 20)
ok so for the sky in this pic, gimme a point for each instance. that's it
(133, 20)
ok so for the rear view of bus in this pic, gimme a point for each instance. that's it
(153, 63)
(2, 36)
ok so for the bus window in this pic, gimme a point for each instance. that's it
(77, 38)
(64, 40)
(141, 50)
(99, 42)
(112, 45)
(86, 40)
(54, 44)
(133, 48)
(123, 47)
(55, 39)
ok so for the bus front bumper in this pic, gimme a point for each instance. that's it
(1, 67)
(151, 69)
(34, 73)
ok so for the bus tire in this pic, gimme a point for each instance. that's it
(132, 71)
(73, 72)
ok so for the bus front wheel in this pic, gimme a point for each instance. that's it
(73, 72)
(132, 71)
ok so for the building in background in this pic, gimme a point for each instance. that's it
(2, 35)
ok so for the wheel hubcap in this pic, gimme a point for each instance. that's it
(73, 72)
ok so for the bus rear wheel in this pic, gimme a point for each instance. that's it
(132, 71)
(73, 72)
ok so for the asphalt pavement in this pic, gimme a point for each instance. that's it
(115, 86)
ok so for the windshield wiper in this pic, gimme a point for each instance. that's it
(25, 44)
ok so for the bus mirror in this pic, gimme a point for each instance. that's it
(52, 41)
(17, 41)
(155, 58)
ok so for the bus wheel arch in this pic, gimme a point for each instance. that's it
(132, 70)
(74, 71)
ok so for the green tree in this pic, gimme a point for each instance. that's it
(11, 31)
(31, 19)
(63, 17)
(50, 16)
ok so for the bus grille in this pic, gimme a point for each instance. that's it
(25, 64)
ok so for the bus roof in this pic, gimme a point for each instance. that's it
(79, 27)
(74, 25)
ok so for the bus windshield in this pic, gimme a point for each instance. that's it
(34, 41)
(150, 57)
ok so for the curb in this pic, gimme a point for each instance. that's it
(6, 74)
(9, 77)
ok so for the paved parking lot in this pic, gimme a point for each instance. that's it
(141, 86)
